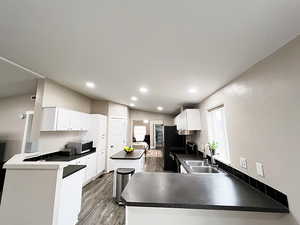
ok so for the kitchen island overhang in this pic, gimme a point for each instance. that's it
(173, 198)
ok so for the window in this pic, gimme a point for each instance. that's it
(217, 132)
(139, 133)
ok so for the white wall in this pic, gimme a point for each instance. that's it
(12, 127)
(262, 113)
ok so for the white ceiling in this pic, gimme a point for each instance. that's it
(15, 81)
(165, 45)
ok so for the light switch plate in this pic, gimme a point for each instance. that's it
(243, 162)
(260, 169)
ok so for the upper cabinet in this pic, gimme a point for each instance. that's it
(188, 120)
(59, 119)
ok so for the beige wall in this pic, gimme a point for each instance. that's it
(12, 127)
(141, 123)
(262, 113)
(166, 119)
(60, 96)
(99, 107)
(143, 115)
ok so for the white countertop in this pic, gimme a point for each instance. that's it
(17, 162)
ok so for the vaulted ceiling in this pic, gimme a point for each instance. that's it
(168, 46)
(15, 81)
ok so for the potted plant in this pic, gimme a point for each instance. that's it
(213, 147)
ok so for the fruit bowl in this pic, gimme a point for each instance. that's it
(128, 149)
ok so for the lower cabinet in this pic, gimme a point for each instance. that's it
(100, 161)
(91, 162)
(91, 166)
(70, 198)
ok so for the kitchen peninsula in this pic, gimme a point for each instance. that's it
(51, 190)
(215, 199)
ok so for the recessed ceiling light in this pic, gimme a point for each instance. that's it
(90, 84)
(192, 90)
(146, 121)
(159, 108)
(131, 105)
(143, 90)
(133, 98)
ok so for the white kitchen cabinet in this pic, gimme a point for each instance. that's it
(189, 120)
(63, 120)
(98, 134)
(91, 162)
(59, 119)
(91, 166)
(70, 198)
(100, 161)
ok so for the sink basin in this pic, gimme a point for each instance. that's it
(196, 163)
(204, 169)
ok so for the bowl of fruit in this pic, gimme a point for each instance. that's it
(128, 149)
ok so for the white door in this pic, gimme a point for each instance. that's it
(117, 136)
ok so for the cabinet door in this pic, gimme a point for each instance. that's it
(63, 120)
(91, 166)
(86, 122)
(180, 122)
(49, 119)
(76, 121)
(70, 200)
(83, 161)
(100, 161)
(193, 119)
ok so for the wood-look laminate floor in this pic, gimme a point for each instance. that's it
(98, 207)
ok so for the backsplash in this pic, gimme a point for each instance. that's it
(267, 190)
(55, 141)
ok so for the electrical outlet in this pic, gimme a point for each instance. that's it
(243, 162)
(260, 169)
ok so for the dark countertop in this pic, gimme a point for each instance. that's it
(59, 157)
(136, 154)
(205, 191)
(69, 170)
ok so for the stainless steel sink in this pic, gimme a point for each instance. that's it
(196, 163)
(204, 169)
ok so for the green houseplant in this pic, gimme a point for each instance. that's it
(213, 147)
